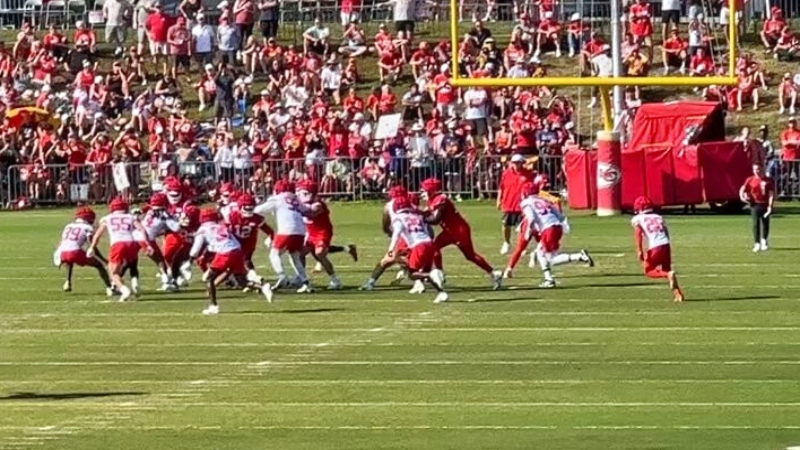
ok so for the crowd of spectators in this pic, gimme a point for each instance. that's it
(313, 113)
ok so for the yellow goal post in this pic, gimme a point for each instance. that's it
(729, 80)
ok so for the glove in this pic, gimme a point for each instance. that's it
(268, 242)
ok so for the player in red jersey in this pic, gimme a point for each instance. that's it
(70, 252)
(177, 244)
(455, 230)
(120, 225)
(319, 231)
(658, 257)
(245, 224)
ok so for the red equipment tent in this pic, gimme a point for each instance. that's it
(676, 155)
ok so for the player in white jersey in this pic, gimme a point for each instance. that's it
(544, 219)
(290, 233)
(157, 222)
(70, 251)
(409, 225)
(397, 257)
(658, 258)
(215, 237)
(121, 226)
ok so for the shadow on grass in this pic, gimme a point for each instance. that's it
(732, 299)
(66, 395)
(617, 285)
(292, 311)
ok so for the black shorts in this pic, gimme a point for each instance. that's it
(182, 60)
(406, 26)
(204, 58)
(480, 127)
(673, 16)
(512, 219)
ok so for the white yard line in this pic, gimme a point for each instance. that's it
(406, 428)
(340, 382)
(399, 344)
(134, 405)
(400, 363)
(365, 330)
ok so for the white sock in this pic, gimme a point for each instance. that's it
(297, 264)
(277, 263)
(135, 284)
(165, 279)
(559, 259)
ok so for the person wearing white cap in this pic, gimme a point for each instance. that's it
(509, 196)
(577, 34)
(204, 41)
(549, 32)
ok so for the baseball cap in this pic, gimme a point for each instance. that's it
(517, 158)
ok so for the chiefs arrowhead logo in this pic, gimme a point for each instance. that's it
(608, 175)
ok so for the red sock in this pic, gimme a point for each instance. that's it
(522, 244)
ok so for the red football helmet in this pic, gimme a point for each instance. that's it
(432, 186)
(86, 214)
(209, 215)
(247, 204)
(642, 204)
(191, 216)
(397, 191)
(401, 204)
(282, 186)
(414, 199)
(227, 191)
(308, 186)
(159, 201)
(529, 189)
(119, 205)
(174, 190)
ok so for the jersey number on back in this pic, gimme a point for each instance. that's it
(72, 234)
(118, 224)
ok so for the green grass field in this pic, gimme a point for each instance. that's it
(606, 361)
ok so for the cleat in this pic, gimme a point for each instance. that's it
(317, 268)
(757, 247)
(181, 282)
(508, 273)
(763, 245)
(441, 297)
(417, 288)
(368, 286)
(297, 282)
(401, 275)
(505, 248)
(678, 297)
(335, 284)
(587, 258)
(266, 290)
(124, 293)
(246, 289)
(186, 273)
(110, 292)
(547, 284)
(497, 280)
(212, 310)
(353, 251)
(437, 278)
(168, 287)
(305, 288)
(67, 286)
(253, 277)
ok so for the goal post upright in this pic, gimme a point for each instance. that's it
(608, 121)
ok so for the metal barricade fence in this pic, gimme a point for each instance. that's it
(786, 174)
(337, 178)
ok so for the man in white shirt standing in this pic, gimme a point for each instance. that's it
(116, 13)
(331, 79)
(477, 102)
(203, 38)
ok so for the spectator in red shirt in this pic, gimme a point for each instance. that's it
(787, 93)
(641, 17)
(509, 197)
(85, 39)
(790, 142)
(673, 52)
(244, 18)
(157, 25)
(549, 34)
(387, 101)
(179, 39)
(390, 65)
(701, 65)
(771, 31)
